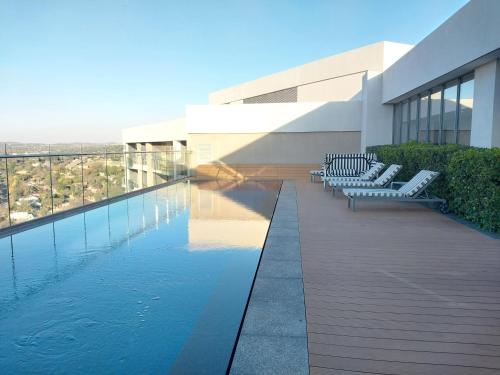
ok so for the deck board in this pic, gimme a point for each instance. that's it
(396, 289)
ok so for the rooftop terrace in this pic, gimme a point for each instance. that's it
(396, 288)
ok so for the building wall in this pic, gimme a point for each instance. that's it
(459, 45)
(278, 133)
(173, 130)
(485, 130)
(376, 118)
(270, 148)
(375, 57)
(343, 88)
(274, 117)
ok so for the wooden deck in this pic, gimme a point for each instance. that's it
(396, 289)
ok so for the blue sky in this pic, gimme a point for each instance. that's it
(81, 70)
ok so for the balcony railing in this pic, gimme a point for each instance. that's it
(36, 185)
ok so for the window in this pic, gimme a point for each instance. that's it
(396, 125)
(412, 132)
(449, 114)
(435, 117)
(441, 115)
(404, 124)
(465, 110)
(423, 128)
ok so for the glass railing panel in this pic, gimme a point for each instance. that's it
(130, 160)
(116, 175)
(181, 162)
(67, 182)
(29, 188)
(94, 178)
(132, 180)
(33, 186)
(159, 162)
(4, 203)
(26, 148)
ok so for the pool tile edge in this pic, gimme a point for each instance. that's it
(272, 341)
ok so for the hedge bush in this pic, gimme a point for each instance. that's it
(469, 177)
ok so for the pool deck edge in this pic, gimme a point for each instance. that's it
(273, 339)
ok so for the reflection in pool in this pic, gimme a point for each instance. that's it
(152, 284)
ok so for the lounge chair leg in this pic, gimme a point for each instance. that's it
(353, 205)
(333, 191)
(348, 202)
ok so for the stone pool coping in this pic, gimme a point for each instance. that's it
(273, 337)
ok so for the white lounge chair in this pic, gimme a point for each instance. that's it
(411, 191)
(383, 180)
(369, 175)
(346, 165)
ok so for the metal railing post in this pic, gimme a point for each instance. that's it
(166, 163)
(51, 183)
(106, 167)
(7, 182)
(457, 110)
(83, 186)
(125, 165)
(174, 161)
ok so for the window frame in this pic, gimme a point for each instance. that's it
(427, 94)
(413, 100)
(407, 102)
(463, 80)
(447, 85)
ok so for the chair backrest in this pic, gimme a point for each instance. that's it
(372, 172)
(388, 175)
(418, 183)
(355, 162)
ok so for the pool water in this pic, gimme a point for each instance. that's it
(153, 284)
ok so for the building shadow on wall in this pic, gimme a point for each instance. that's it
(289, 150)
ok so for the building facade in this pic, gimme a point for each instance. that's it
(445, 89)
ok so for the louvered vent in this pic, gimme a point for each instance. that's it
(281, 96)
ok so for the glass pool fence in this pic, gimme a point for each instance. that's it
(40, 184)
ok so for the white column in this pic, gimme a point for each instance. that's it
(485, 129)
(376, 119)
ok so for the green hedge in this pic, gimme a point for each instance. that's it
(469, 177)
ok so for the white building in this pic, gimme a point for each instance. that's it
(445, 89)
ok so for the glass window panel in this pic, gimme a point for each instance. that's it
(449, 114)
(67, 182)
(404, 124)
(424, 109)
(29, 188)
(435, 123)
(412, 133)
(465, 108)
(396, 128)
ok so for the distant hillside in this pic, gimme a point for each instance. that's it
(39, 148)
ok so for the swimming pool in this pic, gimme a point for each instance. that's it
(153, 284)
